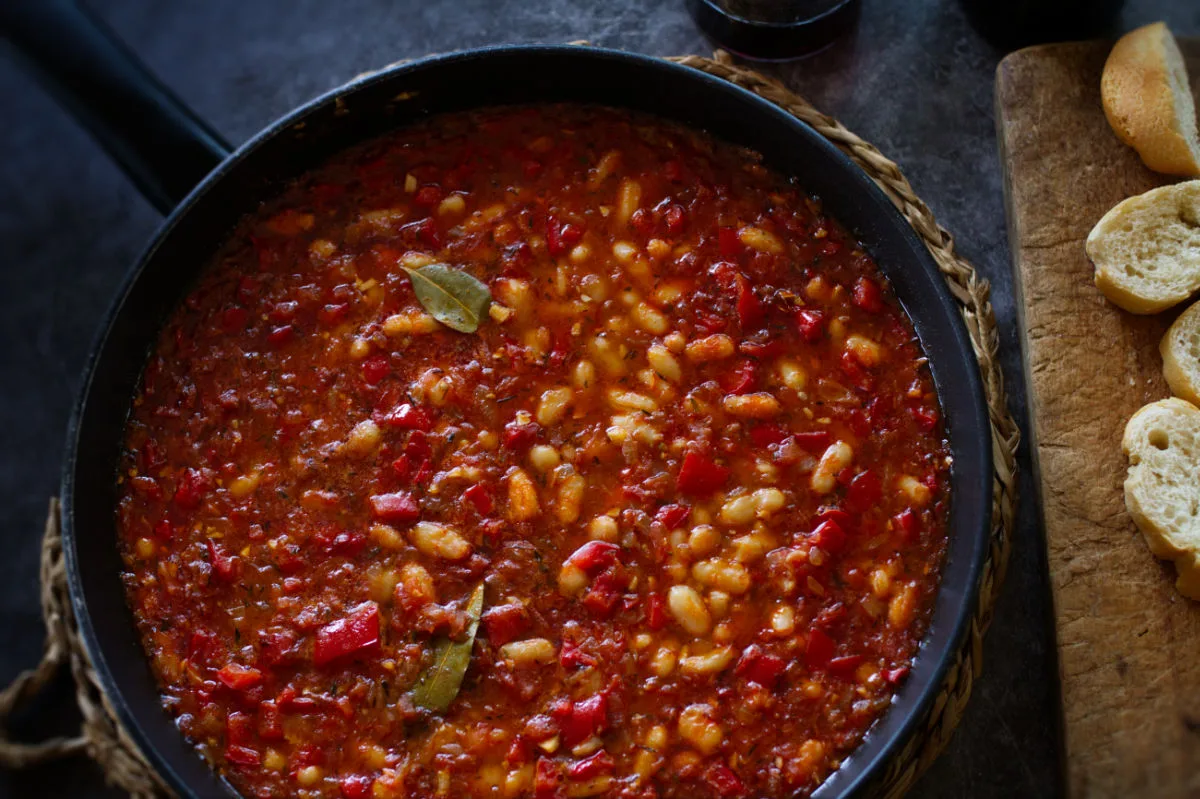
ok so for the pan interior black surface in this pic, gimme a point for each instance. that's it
(497, 76)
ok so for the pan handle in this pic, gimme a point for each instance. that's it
(163, 147)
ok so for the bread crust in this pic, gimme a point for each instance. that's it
(1145, 482)
(1180, 366)
(1141, 106)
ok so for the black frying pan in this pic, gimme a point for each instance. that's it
(185, 170)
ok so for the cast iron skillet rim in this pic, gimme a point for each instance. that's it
(857, 774)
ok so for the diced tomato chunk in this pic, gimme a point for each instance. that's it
(896, 676)
(333, 313)
(926, 418)
(357, 633)
(375, 368)
(672, 516)
(397, 508)
(601, 598)
(409, 417)
(594, 766)
(504, 623)
(238, 677)
(571, 656)
(810, 324)
(906, 524)
(867, 296)
(819, 649)
(700, 475)
(722, 780)
(758, 666)
(829, 536)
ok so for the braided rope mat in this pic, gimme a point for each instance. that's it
(103, 739)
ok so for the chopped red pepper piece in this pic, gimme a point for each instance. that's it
(594, 555)
(520, 437)
(728, 243)
(866, 295)
(571, 656)
(578, 721)
(829, 536)
(504, 623)
(906, 524)
(270, 721)
(481, 497)
(699, 475)
(749, 306)
(375, 368)
(656, 612)
(740, 379)
(355, 786)
(810, 324)
(594, 766)
(758, 666)
(238, 677)
(561, 238)
(224, 565)
(672, 516)
(397, 508)
(864, 491)
(765, 434)
(409, 417)
(193, 485)
(819, 649)
(357, 633)
(845, 664)
(242, 755)
(548, 780)
(896, 676)
(722, 779)
(281, 335)
(813, 440)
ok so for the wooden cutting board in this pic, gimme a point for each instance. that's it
(1129, 645)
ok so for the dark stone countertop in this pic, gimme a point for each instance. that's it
(913, 78)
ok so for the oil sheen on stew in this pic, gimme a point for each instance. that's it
(691, 462)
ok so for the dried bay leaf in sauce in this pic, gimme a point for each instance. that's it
(440, 683)
(453, 297)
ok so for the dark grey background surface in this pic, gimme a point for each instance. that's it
(914, 79)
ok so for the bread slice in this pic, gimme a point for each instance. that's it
(1148, 102)
(1162, 489)
(1180, 349)
(1146, 250)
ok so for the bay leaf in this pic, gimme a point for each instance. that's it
(440, 683)
(451, 296)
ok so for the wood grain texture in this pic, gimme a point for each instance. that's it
(1129, 645)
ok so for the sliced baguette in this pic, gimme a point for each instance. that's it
(1148, 102)
(1180, 349)
(1146, 250)
(1162, 490)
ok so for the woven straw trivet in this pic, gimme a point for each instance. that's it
(104, 740)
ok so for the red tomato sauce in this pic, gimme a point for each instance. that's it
(693, 455)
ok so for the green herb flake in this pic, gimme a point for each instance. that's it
(440, 683)
(454, 298)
